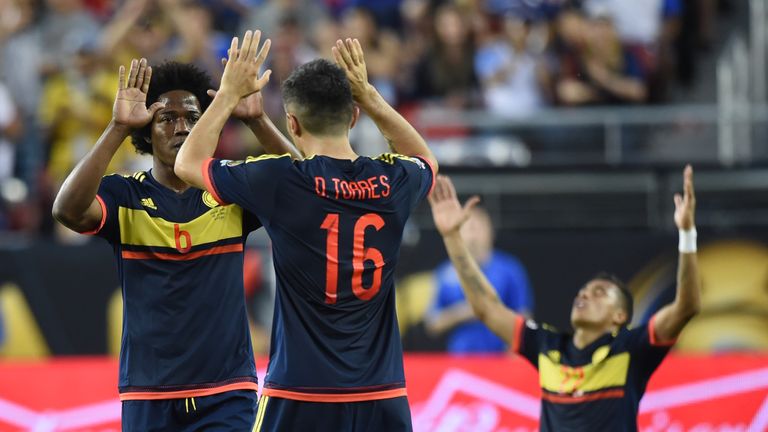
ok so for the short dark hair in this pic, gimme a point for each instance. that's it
(627, 302)
(167, 77)
(320, 93)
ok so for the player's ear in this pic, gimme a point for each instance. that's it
(355, 116)
(293, 124)
(620, 317)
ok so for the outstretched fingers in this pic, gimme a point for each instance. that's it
(121, 77)
(140, 74)
(345, 56)
(357, 50)
(245, 48)
(470, 204)
(263, 52)
(132, 73)
(688, 183)
(147, 77)
(232, 52)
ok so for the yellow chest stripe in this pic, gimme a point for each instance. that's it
(607, 373)
(219, 223)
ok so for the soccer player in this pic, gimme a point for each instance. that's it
(336, 221)
(593, 379)
(186, 361)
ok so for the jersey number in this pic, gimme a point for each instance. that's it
(360, 254)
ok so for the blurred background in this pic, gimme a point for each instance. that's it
(572, 119)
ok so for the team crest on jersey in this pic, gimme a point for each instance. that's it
(148, 203)
(230, 163)
(209, 200)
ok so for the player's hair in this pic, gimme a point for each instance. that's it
(167, 77)
(627, 302)
(318, 93)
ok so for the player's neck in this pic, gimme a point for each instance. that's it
(586, 335)
(165, 176)
(334, 147)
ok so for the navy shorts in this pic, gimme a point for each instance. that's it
(385, 415)
(229, 411)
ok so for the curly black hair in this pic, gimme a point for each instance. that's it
(167, 77)
(320, 95)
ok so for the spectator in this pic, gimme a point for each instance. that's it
(452, 315)
(594, 66)
(66, 25)
(21, 60)
(382, 58)
(446, 74)
(512, 76)
(10, 129)
(267, 16)
(75, 105)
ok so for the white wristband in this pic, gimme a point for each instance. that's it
(687, 241)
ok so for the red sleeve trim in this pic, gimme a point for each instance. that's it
(652, 335)
(517, 335)
(103, 217)
(206, 168)
(432, 170)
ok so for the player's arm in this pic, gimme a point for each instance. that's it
(240, 79)
(448, 318)
(250, 110)
(670, 320)
(402, 137)
(449, 216)
(76, 206)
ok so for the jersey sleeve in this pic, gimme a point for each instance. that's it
(113, 192)
(530, 339)
(421, 177)
(252, 184)
(646, 350)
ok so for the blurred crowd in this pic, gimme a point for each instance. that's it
(58, 63)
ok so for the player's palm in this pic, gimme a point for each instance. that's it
(241, 72)
(130, 107)
(349, 56)
(685, 204)
(447, 212)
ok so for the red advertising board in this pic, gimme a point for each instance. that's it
(448, 394)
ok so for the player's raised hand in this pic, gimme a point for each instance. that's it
(447, 212)
(685, 204)
(349, 56)
(250, 107)
(130, 107)
(241, 71)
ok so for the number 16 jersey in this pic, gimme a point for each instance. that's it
(336, 228)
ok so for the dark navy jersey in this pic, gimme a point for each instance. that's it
(597, 388)
(336, 228)
(180, 263)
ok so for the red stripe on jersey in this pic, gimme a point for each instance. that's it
(568, 399)
(188, 393)
(335, 397)
(141, 255)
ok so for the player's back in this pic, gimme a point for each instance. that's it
(336, 227)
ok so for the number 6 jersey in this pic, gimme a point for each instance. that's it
(180, 263)
(336, 228)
